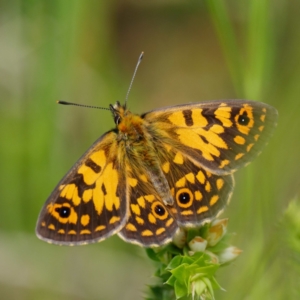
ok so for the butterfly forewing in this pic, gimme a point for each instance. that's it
(89, 204)
(221, 135)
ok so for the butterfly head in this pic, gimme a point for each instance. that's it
(128, 124)
(118, 112)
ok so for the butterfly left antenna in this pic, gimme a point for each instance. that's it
(136, 68)
(81, 105)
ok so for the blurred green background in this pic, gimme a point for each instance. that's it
(85, 51)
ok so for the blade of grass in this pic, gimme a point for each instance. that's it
(226, 35)
(260, 49)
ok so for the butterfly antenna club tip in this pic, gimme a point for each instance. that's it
(134, 73)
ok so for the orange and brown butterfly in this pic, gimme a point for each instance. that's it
(156, 172)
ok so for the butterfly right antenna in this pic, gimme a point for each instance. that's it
(136, 68)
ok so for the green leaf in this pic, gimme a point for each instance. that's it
(209, 286)
(199, 287)
(171, 280)
(208, 270)
(180, 289)
(152, 254)
(180, 271)
(187, 259)
(215, 284)
(175, 262)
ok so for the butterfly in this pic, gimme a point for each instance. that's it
(154, 173)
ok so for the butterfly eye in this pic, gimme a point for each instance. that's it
(64, 211)
(117, 119)
(243, 119)
(115, 111)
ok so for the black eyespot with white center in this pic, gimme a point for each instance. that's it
(64, 211)
(243, 119)
(184, 198)
(159, 211)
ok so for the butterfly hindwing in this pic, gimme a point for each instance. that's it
(89, 204)
(150, 222)
(199, 196)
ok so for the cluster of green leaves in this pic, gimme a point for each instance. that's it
(185, 274)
